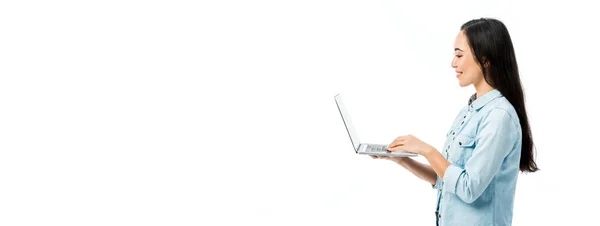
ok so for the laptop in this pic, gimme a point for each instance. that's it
(365, 148)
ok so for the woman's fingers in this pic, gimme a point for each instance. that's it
(396, 143)
(396, 148)
(379, 157)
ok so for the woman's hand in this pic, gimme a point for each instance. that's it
(411, 144)
(391, 158)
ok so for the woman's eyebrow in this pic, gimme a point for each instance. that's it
(458, 49)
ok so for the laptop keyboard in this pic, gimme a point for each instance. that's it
(376, 148)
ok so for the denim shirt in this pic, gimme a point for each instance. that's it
(483, 147)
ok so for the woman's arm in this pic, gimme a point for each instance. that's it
(498, 135)
(423, 171)
(420, 170)
(438, 163)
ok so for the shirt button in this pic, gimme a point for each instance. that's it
(463, 122)
(452, 133)
(459, 143)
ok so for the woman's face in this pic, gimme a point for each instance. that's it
(464, 63)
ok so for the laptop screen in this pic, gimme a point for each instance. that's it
(347, 122)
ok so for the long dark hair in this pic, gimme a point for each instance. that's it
(493, 50)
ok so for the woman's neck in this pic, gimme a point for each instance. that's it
(482, 88)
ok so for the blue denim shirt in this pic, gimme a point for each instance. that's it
(483, 147)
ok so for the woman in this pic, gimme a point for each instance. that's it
(490, 139)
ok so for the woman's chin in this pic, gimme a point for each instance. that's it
(463, 84)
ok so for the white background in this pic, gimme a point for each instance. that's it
(222, 112)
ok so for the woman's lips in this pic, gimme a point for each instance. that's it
(458, 74)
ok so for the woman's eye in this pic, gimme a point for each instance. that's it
(459, 56)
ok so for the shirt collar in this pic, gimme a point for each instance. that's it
(477, 103)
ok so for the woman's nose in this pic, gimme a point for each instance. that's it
(453, 63)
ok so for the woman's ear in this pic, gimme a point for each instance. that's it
(485, 67)
(486, 64)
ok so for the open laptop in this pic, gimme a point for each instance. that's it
(365, 148)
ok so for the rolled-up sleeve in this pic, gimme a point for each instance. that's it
(498, 134)
(438, 182)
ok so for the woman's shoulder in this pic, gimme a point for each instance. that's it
(501, 106)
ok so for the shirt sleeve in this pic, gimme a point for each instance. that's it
(497, 136)
(438, 182)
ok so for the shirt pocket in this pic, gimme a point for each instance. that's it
(463, 148)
